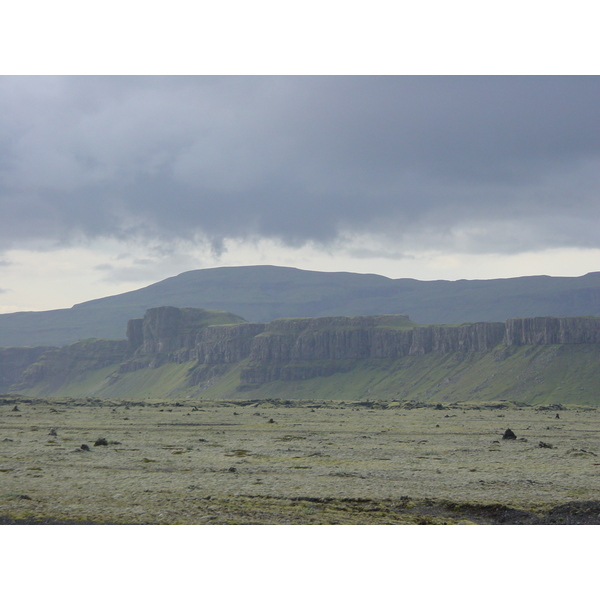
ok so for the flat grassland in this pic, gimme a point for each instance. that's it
(295, 462)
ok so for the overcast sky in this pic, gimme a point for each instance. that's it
(110, 183)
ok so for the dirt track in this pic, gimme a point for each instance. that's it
(305, 463)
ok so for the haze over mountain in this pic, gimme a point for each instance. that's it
(264, 293)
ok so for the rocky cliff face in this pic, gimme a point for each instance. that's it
(78, 357)
(135, 334)
(173, 333)
(225, 344)
(552, 330)
(332, 338)
(285, 349)
(14, 361)
(167, 329)
(349, 339)
(476, 337)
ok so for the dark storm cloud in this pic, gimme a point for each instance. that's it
(473, 163)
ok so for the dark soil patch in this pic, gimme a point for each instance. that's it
(45, 521)
(573, 513)
(306, 510)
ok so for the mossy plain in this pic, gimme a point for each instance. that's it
(289, 461)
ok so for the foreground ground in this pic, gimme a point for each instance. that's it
(305, 462)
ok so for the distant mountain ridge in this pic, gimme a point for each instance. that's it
(264, 293)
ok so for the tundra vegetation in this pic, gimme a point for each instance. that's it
(295, 461)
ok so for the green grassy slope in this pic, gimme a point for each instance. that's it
(566, 374)
(264, 293)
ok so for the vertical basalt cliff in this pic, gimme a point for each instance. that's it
(292, 349)
(359, 338)
(296, 349)
(552, 330)
(225, 344)
(331, 338)
(285, 349)
(167, 330)
(476, 337)
(135, 334)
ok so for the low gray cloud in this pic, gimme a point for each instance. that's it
(501, 164)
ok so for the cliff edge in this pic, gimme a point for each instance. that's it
(207, 346)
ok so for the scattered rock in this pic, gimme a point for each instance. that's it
(545, 445)
(24, 497)
(232, 469)
(509, 434)
(101, 442)
(551, 407)
(85, 447)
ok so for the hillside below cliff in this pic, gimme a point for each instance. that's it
(174, 352)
